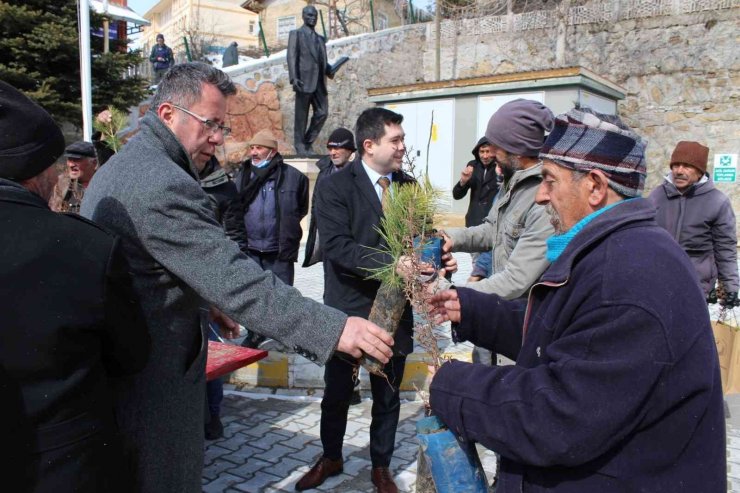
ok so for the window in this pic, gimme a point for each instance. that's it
(165, 16)
(251, 27)
(284, 26)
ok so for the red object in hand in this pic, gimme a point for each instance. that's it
(225, 358)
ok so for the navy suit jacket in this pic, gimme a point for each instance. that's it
(348, 213)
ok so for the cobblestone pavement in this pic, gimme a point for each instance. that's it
(270, 443)
(272, 437)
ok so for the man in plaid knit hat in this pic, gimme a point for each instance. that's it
(616, 385)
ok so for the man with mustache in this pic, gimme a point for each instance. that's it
(341, 147)
(82, 162)
(700, 218)
(516, 228)
(274, 199)
(616, 385)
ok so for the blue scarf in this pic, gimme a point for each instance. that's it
(556, 244)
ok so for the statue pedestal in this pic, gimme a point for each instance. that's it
(306, 165)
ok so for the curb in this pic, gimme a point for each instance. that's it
(291, 371)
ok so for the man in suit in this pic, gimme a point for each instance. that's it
(70, 321)
(348, 208)
(307, 70)
(183, 262)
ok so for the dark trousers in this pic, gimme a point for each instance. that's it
(214, 388)
(283, 270)
(338, 388)
(319, 103)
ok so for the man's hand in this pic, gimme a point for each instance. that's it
(361, 336)
(466, 174)
(105, 116)
(450, 264)
(298, 85)
(730, 300)
(446, 306)
(229, 328)
(447, 242)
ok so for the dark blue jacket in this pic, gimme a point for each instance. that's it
(165, 52)
(616, 386)
(290, 201)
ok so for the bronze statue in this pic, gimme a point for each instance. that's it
(307, 70)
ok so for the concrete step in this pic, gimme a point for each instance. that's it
(291, 371)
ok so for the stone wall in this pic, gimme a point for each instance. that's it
(681, 72)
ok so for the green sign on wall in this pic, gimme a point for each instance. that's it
(725, 168)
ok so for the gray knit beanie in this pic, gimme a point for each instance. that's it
(519, 127)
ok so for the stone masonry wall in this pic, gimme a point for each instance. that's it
(681, 73)
(375, 60)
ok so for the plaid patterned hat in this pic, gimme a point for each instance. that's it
(583, 140)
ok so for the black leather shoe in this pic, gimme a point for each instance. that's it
(323, 469)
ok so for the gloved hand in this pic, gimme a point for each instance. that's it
(730, 300)
(712, 297)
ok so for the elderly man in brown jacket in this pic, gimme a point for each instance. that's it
(700, 218)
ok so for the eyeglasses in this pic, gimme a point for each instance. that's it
(211, 126)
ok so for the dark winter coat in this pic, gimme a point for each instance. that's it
(165, 52)
(225, 199)
(231, 55)
(313, 252)
(482, 189)
(70, 322)
(182, 261)
(348, 211)
(702, 221)
(290, 197)
(616, 386)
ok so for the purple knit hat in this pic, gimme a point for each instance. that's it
(519, 127)
(584, 140)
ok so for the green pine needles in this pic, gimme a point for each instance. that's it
(409, 213)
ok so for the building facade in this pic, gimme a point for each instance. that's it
(337, 18)
(208, 25)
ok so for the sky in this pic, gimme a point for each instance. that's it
(141, 7)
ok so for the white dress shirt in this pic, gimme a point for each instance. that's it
(374, 177)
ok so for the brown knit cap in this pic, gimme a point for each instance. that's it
(264, 138)
(693, 153)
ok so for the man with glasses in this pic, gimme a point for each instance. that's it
(274, 199)
(182, 263)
